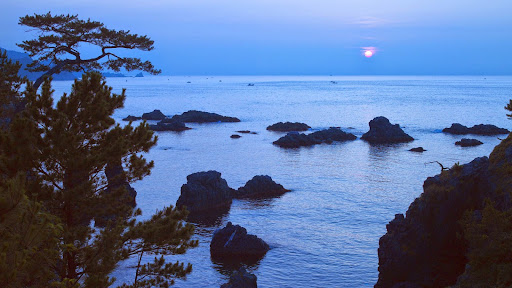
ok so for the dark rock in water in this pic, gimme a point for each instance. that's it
(457, 129)
(232, 243)
(205, 191)
(481, 129)
(117, 180)
(465, 142)
(383, 132)
(288, 127)
(169, 125)
(155, 115)
(250, 84)
(296, 140)
(194, 116)
(260, 186)
(332, 134)
(427, 248)
(241, 279)
(132, 118)
(417, 149)
(246, 132)
(235, 136)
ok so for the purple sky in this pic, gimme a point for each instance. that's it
(300, 37)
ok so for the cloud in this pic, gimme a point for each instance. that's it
(371, 22)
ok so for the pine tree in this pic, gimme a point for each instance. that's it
(64, 150)
(60, 37)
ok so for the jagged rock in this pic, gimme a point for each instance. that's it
(296, 140)
(132, 118)
(417, 149)
(155, 115)
(288, 127)
(169, 125)
(481, 129)
(194, 116)
(465, 142)
(116, 179)
(427, 247)
(241, 279)
(235, 136)
(383, 132)
(260, 186)
(232, 243)
(204, 192)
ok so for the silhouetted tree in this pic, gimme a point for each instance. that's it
(61, 36)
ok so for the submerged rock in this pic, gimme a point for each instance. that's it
(296, 140)
(417, 149)
(427, 247)
(465, 142)
(168, 124)
(383, 132)
(204, 192)
(235, 136)
(246, 132)
(194, 116)
(481, 129)
(260, 186)
(232, 243)
(241, 279)
(132, 118)
(288, 127)
(155, 115)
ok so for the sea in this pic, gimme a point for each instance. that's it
(324, 232)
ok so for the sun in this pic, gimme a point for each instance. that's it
(368, 53)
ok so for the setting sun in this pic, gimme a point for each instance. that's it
(368, 53)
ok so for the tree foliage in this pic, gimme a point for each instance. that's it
(509, 108)
(61, 36)
(63, 151)
(10, 86)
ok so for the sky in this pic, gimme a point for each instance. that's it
(285, 37)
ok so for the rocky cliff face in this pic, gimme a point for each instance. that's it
(426, 248)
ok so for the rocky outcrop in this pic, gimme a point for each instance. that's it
(260, 186)
(194, 116)
(168, 124)
(426, 248)
(383, 132)
(418, 149)
(116, 179)
(155, 115)
(246, 132)
(481, 129)
(465, 142)
(241, 279)
(205, 192)
(233, 244)
(288, 127)
(328, 136)
(132, 118)
(235, 136)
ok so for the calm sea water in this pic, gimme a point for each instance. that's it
(325, 232)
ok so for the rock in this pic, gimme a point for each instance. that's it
(169, 125)
(132, 118)
(465, 142)
(235, 136)
(480, 129)
(246, 132)
(296, 140)
(139, 75)
(260, 186)
(427, 247)
(155, 115)
(232, 243)
(204, 192)
(288, 127)
(194, 116)
(417, 149)
(241, 279)
(116, 179)
(383, 132)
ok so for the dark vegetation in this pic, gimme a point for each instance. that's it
(53, 169)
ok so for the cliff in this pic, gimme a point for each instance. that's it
(428, 247)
